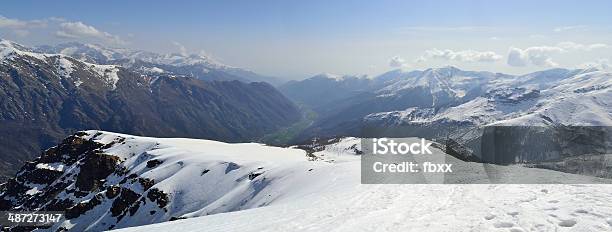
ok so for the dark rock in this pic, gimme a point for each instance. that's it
(80, 208)
(254, 175)
(146, 183)
(112, 191)
(126, 199)
(156, 195)
(96, 167)
(153, 163)
(177, 218)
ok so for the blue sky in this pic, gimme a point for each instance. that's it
(297, 39)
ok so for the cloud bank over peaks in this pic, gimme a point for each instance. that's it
(539, 56)
(79, 30)
(22, 28)
(462, 56)
(542, 55)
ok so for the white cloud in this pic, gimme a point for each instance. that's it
(463, 56)
(79, 30)
(517, 57)
(585, 47)
(20, 24)
(541, 55)
(397, 62)
(21, 27)
(569, 28)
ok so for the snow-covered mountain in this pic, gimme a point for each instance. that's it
(44, 97)
(556, 99)
(196, 65)
(567, 97)
(438, 99)
(64, 65)
(106, 181)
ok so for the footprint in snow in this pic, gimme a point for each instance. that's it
(553, 201)
(489, 217)
(513, 213)
(581, 211)
(567, 222)
(503, 225)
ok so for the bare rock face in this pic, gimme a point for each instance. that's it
(95, 168)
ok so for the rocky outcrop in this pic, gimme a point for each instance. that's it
(78, 177)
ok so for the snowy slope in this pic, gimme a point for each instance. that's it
(422, 208)
(558, 96)
(64, 65)
(149, 180)
(109, 181)
(449, 80)
(330, 197)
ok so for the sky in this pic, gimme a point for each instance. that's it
(299, 39)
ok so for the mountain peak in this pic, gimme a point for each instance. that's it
(8, 44)
(446, 70)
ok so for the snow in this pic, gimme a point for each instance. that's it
(422, 208)
(51, 166)
(108, 72)
(448, 79)
(412, 114)
(64, 67)
(106, 54)
(34, 188)
(33, 191)
(201, 176)
(578, 97)
(62, 63)
(7, 51)
(254, 187)
(156, 70)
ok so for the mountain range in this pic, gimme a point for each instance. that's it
(198, 66)
(63, 99)
(45, 96)
(429, 103)
(53, 90)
